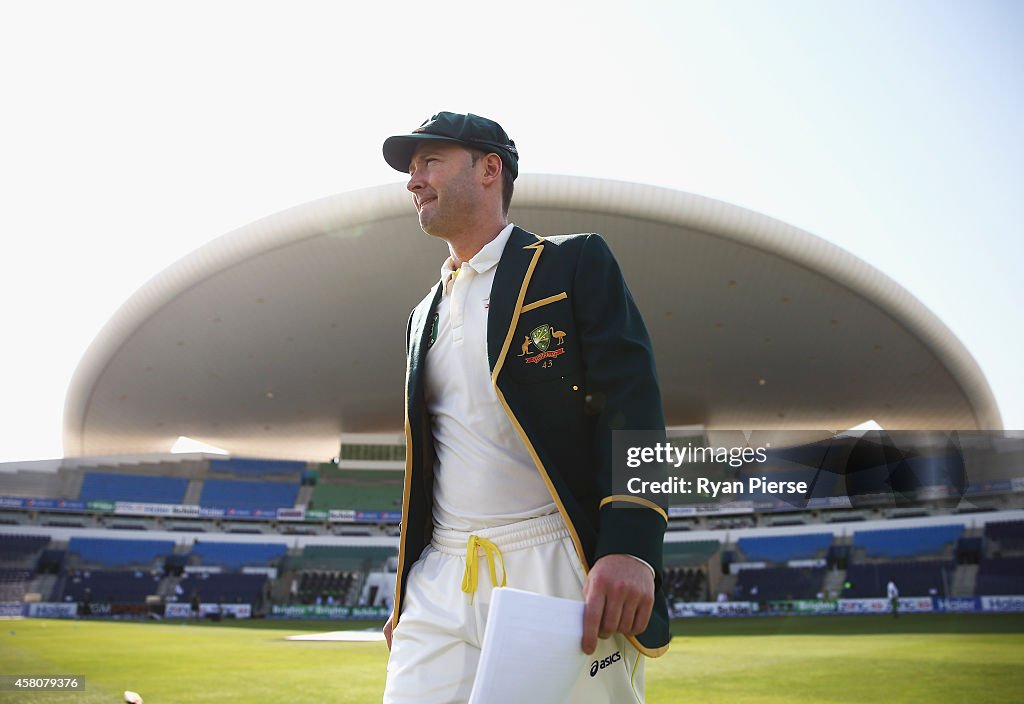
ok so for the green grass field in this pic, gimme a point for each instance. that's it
(795, 660)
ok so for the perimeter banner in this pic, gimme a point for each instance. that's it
(920, 604)
(1002, 603)
(805, 606)
(329, 612)
(49, 609)
(713, 608)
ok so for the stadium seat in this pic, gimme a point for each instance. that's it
(1000, 576)
(237, 555)
(226, 493)
(109, 586)
(782, 548)
(101, 486)
(912, 578)
(775, 583)
(257, 467)
(111, 552)
(907, 542)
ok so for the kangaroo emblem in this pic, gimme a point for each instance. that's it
(526, 347)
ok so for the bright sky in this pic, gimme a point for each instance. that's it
(132, 133)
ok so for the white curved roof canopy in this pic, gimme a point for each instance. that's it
(274, 339)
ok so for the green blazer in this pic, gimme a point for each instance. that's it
(571, 361)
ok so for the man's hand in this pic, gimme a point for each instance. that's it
(387, 632)
(619, 594)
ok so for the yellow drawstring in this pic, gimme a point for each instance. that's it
(469, 577)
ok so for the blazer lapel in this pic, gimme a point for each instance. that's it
(419, 342)
(510, 281)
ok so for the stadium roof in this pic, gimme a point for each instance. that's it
(276, 338)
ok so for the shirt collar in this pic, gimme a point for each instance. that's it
(483, 260)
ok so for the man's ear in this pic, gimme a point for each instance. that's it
(492, 168)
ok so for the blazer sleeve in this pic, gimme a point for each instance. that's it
(622, 393)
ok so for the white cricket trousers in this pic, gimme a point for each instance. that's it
(436, 646)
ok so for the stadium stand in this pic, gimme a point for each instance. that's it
(319, 587)
(1000, 576)
(32, 484)
(969, 550)
(357, 498)
(899, 543)
(257, 468)
(101, 486)
(332, 573)
(689, 553)
(18, 548)
(685, 579)
(913, 578)
(226, 587)
(1006, 536)
(344, 558)
(14, 584)
(237, 555)
(782, 548)
(360, 490)
(248, 494)
(51, 561)
(108, 586)
(952, 555)
(686, 584)
(112, 552)
(774, 583)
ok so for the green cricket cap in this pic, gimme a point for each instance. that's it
(470, 130)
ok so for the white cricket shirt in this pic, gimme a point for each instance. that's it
(483, 475)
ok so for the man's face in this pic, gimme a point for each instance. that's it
(445, 187)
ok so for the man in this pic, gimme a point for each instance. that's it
(893, 593)
(522, 360)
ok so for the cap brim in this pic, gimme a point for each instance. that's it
(398, 150)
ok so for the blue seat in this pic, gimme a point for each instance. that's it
(236, 555)
(227, 493)
(102, 486)
(112, 552)
(782, 548)
(907, 542)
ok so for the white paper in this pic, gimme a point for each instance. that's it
(531, 650)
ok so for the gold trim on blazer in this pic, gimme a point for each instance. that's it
(406, 491)
(636, 500)
(544, 301)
